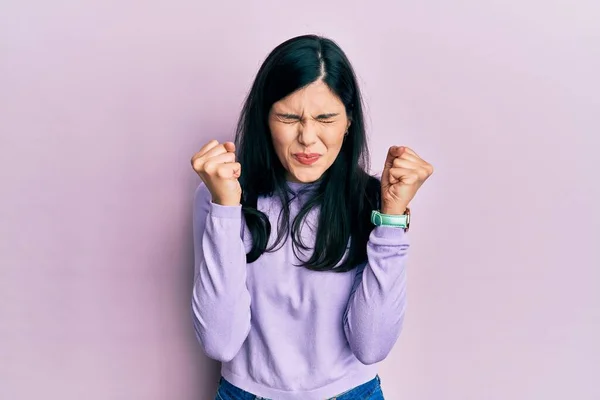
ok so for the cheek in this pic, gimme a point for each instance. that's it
(282, 139)
(334, 139)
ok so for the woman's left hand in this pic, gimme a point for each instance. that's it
(403, 174)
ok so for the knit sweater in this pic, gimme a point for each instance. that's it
(282, 331)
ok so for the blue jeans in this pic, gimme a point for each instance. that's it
(367, 391)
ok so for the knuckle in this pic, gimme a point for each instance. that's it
(197, 164)
(210, 167)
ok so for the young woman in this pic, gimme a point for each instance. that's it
(300, 255)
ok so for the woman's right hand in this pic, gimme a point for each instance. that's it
(216, 165)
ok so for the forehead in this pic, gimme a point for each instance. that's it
(316, 96)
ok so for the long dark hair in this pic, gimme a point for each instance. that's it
(346, 193)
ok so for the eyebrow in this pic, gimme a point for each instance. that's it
(296, 116)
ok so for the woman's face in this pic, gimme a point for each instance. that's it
(307, 128)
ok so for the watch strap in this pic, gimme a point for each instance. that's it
(398, 221)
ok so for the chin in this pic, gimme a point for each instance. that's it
(306, 176)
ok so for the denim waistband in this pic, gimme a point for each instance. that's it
(228, 391)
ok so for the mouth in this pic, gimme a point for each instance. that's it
(307, 159)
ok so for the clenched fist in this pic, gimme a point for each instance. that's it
(403, 174)
(216, 165)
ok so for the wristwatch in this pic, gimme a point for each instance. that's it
(398, 221)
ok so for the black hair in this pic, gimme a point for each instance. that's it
(345, 194)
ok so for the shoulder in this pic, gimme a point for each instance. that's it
(202, 197)
(202, 191)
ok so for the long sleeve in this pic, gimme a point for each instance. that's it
(375, 312)
(220, 299)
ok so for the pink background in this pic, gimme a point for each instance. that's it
(103, 103)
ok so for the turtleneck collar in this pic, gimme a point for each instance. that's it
(302, 187)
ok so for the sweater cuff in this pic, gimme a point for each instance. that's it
(389, 235)
(219, 211)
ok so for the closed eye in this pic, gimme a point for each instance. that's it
(327, 118)
(293, 118)
(288, 118)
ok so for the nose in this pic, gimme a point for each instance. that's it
(308, 133)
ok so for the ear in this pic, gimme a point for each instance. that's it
(347, 127)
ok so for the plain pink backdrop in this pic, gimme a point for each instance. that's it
(103, 103)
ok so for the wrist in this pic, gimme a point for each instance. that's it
(394, 210)
(226, 202)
